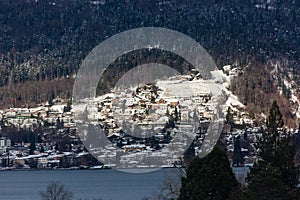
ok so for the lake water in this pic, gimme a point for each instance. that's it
(85, 184)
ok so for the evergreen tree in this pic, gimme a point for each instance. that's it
(42, 150)
(68, 107)
(167, 112)
(56, 147)
(176, 114)
(50, 101)
(229, 116)
(195, 116)
(59, 123)
(274, 176)
(237, 153)
(210, 177)
(32, 147)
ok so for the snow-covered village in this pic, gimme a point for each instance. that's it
(150, 100)
(139, 121)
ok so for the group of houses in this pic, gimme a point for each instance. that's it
(159, 109)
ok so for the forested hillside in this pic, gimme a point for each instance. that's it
(42, 42)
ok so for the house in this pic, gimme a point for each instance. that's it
(42, 162)
(40, 114)
(11, 113)
(69, 125)
(184, 115)
(2, 142)
(173, 102)
(19, 162)
(226, 69)
(161, 101)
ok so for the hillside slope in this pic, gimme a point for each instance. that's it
(42, 43)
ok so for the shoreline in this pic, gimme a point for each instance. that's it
(87, 168)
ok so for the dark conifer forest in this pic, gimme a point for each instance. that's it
(43, 42)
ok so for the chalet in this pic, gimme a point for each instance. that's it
(58, 100)
(227, 69)
(24, 115)
(181, 77)
(161, 101)
(11, 113)
(107, 104)
(107, 99)
(42, 162)
(57, 108)
(67, 114)
(134, 147)
(184, 115)
(53, 114)
(235, 72)
(207, 115)
(142, 102)
(42, 114)
(19, 162)
(173, 102)
(69, 125)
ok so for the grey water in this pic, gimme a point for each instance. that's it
(85, 184)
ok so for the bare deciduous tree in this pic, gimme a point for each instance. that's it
(170, 187)
(56, 191)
